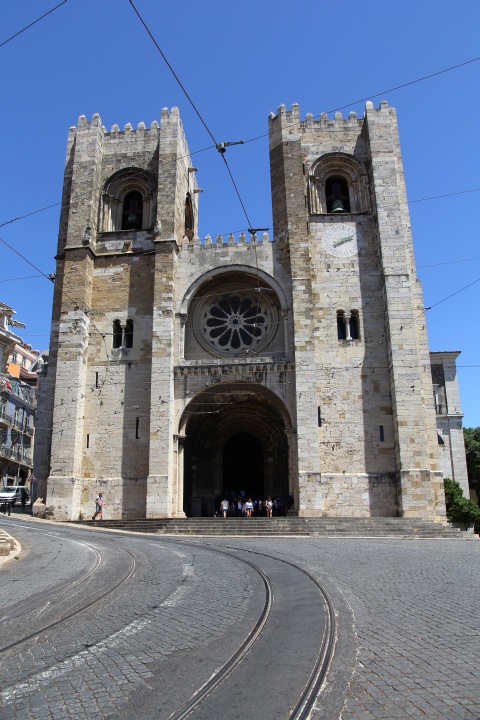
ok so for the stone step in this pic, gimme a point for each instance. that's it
(294, 526)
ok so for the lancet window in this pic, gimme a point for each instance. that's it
(348, 325)
(122, 335)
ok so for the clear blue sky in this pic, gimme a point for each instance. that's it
(239, 62)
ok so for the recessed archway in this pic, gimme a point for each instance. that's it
(235, 439)
(242, 466)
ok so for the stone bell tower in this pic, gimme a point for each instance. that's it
(365, 417)
(127, 199)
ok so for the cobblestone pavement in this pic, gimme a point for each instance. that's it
(89, 668)
(407, 612)
(415, 609)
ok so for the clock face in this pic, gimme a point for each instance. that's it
(342, 240)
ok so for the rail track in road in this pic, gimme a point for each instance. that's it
(315, 675)
(288, 650)
(53, 597)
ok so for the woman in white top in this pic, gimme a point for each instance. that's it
(248, 508)
(224, 507)
(269, 506)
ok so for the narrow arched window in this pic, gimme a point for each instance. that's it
(117, 334)
(354, 325)
(337, 194)
(189, 220)
(129, 334)
(341, 326)
(132, 215)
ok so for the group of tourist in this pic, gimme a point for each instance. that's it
(240, 506)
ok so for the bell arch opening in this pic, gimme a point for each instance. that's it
(236, 441)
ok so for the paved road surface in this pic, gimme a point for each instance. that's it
(165, 614)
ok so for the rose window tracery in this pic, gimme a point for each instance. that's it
(236, 322)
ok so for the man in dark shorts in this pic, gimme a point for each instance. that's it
(98, 506)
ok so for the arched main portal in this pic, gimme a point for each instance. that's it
(235, 439)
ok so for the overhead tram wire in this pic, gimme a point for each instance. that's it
(448, 262)
(221, 147)
(172, 71)
(53, 280)
(383, 207)
(32, 23)
(34, 212)
(26, 277)
(382, 92)
(355, 102)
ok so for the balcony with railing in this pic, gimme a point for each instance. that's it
(24, 392)
(5, 418)
(19, 423)
(22, 424)
(17, 453)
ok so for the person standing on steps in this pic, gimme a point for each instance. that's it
(224, 507)
(99, 504)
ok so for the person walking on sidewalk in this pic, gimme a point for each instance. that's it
(99, 503)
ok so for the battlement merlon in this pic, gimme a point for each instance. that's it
(286, 124)
(225, 242)
(90, 150)
(169, 128)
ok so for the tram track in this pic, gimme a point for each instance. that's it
(309, 694)
(242, 667)
(34, 604)
(70, 588)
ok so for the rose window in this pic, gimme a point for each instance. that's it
(236, 322)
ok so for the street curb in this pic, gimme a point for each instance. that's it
(15, 551)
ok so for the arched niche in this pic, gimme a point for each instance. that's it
(342, 175)
(130, 191)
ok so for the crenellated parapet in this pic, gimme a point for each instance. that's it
(228, 241)
(115, 130)
(288, 123)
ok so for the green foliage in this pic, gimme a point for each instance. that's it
(472, 452)
(460, 510)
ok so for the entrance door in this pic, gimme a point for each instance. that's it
(242, 467)
(235, 440)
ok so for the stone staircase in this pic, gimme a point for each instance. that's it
(288, 526)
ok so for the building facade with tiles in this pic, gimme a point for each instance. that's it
(181, 369)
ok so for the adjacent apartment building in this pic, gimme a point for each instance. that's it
(18, 381)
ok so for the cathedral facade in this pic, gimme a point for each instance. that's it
(294, 363)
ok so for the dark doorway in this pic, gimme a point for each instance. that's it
(242, 467)
(242, 447)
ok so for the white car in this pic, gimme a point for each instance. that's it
(13, 494)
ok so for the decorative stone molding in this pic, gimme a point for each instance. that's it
(116, 189)
(235, 322)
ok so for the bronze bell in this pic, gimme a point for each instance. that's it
(132, 221)
(338, 206)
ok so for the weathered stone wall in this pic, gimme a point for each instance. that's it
(357, 413)
(373, 393)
